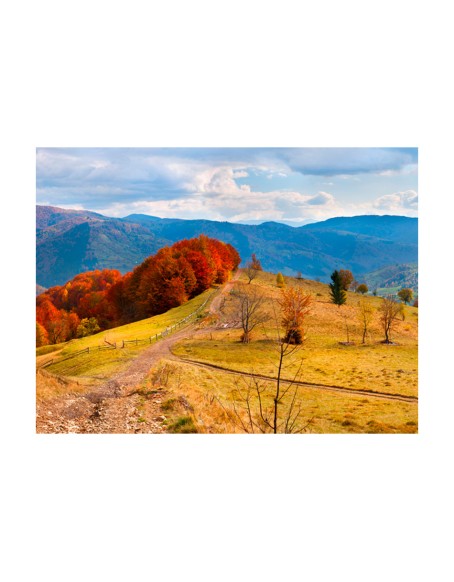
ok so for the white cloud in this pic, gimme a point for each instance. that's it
(398, 202)
(186, 183)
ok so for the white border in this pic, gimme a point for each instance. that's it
(337, 507)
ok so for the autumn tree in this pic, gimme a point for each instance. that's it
(280, 281)
(164, 280)
(251, 272)
(256, 263)
(252, 268)
(405, 295)
(249, 308)
(277, 406)
(87, 327)
(42, 338)
(389, 311)
(337, 292)
(295, 306)
(363, 289)
(57, 330)
(345, 278)
(365, 316)
(53, 320)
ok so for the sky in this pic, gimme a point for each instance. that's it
(291, 185)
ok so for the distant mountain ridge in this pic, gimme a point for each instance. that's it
(73, 241)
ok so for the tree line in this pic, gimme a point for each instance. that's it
(101, 299)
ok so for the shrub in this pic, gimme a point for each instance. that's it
(183, 425)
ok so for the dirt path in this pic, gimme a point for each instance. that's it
(116, 406)
(329, 388)
(113, 407)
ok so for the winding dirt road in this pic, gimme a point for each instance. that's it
(113, 406)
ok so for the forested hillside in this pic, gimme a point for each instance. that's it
(71, 242)
(102, 299)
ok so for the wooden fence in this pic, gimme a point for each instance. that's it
(124, 343)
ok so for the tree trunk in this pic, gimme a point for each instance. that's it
(278, 388)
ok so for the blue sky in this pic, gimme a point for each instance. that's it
(292, 185)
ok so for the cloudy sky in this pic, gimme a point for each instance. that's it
(292, 185)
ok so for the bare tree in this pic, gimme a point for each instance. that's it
(347, 329)
(366, 314)
(272, 406)
(249, 308)
(263, 406)
(250, 271)
(389, 310)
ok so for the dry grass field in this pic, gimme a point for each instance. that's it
(194, 398)
(324, 359)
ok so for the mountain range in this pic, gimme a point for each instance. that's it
(69, 242)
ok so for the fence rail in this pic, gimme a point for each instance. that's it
(123, 343)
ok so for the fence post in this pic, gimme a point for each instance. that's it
(88, 350)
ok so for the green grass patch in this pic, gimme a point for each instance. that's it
(183, 425)
(101, 364)
(43, 350)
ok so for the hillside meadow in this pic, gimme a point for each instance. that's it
(200, 399)
(373, 365)
(98, 365)
(324, 360)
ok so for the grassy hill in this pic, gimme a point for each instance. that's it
(100, 362)
(198, 390)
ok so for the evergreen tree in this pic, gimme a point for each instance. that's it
(337, 293)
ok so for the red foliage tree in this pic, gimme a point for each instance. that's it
(162, 281)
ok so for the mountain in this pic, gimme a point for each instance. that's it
(396, 228)
(392, 278)
(69, 242)
(73, 243)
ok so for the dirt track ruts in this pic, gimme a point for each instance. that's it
(330, 388)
